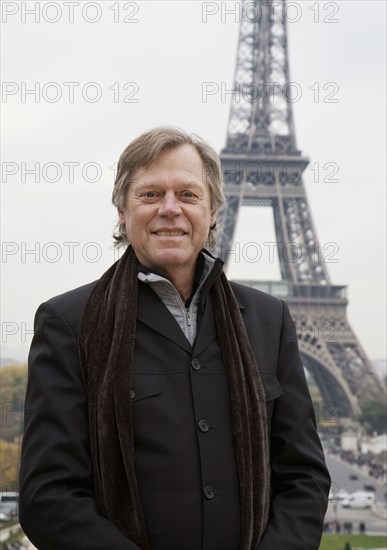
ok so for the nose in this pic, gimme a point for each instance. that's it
(169, 206)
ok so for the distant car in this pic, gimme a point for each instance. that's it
(9, 496)
(338, 496)
(359, 499)
(342, 495)
(354, 477)
(4, 516)
(369, 487)
(8, 510)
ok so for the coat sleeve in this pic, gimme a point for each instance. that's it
(299, 478)
(57, 509)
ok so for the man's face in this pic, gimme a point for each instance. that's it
(168, 213)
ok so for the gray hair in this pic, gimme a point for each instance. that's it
(147, 148)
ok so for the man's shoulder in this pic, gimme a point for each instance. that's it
(253, 299)
(70, 304)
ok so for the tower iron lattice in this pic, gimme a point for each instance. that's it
(262, 166)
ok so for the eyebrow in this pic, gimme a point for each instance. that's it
(144, 184)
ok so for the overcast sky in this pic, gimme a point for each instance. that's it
(104, 72)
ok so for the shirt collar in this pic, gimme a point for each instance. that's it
(205, 259)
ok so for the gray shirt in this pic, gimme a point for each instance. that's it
(185, 316)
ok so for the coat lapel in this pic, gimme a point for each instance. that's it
(152, 312)
(207, 331)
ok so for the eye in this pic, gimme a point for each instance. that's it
(149, 195)
(188, 195)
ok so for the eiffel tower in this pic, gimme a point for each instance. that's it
(263, 167)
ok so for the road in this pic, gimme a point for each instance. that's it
(340, 472)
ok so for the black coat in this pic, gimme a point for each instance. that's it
(57, 510)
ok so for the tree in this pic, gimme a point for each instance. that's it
(373, 415)
(9, 453)
(12, 395)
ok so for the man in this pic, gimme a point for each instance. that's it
(167, 408)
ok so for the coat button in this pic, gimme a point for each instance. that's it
(209, 492)
(196, 364)
(132, 394)
(204, 426)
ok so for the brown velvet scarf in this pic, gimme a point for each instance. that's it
(106, 345)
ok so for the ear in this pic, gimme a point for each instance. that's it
(121, 215)
(213, 219)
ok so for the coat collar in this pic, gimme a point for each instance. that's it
(152, 312)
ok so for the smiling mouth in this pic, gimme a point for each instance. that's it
(169, 233)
